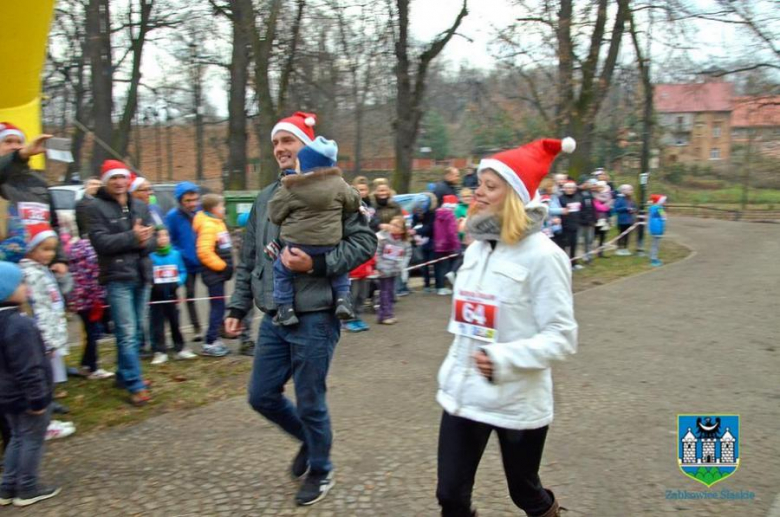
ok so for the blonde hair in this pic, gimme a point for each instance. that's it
(209, 201)
(546, 185)
(360, 180)
(379, 181)
(514, 220)
(466, 191)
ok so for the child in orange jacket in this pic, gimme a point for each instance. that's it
(215, 252)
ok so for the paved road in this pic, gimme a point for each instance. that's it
(699, 335)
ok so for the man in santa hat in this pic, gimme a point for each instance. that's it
(26, 190)
(314, 338)
(122, 232)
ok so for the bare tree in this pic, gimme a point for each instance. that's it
(411, 75)
(99, 45)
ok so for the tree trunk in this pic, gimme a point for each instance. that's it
(239, 70)
(359, 116)
(77, 140)
(121, 139)
(99, 45)
(409, 99)
(565, 66)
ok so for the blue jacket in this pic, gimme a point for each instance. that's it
(625, 209)
(183, 237)
(162, 290)
(657, 223)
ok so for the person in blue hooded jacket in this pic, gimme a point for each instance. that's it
(657, 226)
(183, 238)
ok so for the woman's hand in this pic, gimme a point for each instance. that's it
(484, 364)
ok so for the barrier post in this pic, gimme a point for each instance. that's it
(640, 236)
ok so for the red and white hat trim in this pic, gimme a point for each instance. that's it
(114, 172)
(136, 183)
(39, 233)
(508, 174)
(7, 130)
(292, 128)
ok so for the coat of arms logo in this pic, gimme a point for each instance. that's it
(708, 446)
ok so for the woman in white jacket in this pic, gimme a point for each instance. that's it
(512, 317)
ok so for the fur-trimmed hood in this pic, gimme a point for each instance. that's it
(295, 180)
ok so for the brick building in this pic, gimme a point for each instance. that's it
(755, 122)
(695, 122)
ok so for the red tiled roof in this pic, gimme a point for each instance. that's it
(756, 111)
(693, 97)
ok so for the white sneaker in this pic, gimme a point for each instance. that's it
(186, 354)
(578, 267)
(450, 277)
(160, 358)
(58, 429)
(444, 292)
(100, 374)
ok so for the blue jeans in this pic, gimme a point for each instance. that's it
(284, 288)
(216, 311)
(129, 303)
(25, 450)
(302, 352)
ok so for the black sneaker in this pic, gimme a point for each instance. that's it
(285, 316)
(314, 489)
(33, 496)
(197, 337)
(344, 310)
(7, 496)
(59, 409)
(300, 464)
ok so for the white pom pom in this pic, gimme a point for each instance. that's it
(309, 121)
(568, 145)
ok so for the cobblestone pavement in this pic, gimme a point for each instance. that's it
(693, 336)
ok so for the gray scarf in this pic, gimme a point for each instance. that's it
(485, 227)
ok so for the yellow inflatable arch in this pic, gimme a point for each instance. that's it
(23, 42)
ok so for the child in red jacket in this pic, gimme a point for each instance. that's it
(360, 282)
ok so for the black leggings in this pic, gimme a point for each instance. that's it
(461, 444)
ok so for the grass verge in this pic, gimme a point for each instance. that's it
(177, 385)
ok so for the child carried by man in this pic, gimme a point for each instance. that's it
(309, 207)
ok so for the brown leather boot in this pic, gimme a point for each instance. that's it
(555, 509)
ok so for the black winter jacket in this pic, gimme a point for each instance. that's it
(25, 373)
(571, 221)
(588, 214)
(120, 256)
(20, 184)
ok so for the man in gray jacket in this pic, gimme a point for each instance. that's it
(302, 352)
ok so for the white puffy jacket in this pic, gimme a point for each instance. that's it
(535, 325)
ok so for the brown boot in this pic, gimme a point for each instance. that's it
(141, 398)
(555, 509)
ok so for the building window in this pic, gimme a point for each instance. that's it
(716, 131)
(679, 121)
(714, 153)
(680, 142)
(696, 151)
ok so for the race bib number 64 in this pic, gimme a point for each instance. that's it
(475, 315)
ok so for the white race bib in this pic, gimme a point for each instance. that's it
(223, 241)
(475, 315)
(393, 252)
(33, 213)
(574, 207)
(168, 274)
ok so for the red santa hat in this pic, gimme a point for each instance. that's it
(37, 233)
(113, 168)
(135, 182)
(658, 199)
(300, 124)
(7, 129)
(524, 167)
(449, 201)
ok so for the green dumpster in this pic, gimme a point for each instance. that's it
(238, 202)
